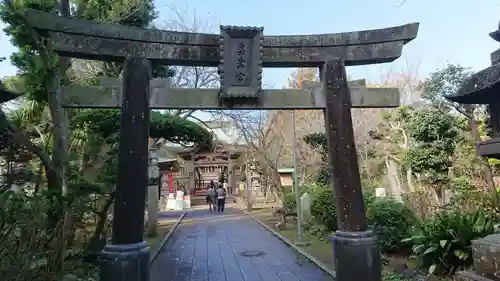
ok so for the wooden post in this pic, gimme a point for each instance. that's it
(127, 258)
(248, 183)
(355, 248)
(230, 176)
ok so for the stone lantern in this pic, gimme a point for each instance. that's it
(484, 88)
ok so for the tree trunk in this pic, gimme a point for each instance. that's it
(409, 180)
(409, 174)
(436, 194)
(392, 175)
(58, 184)
(60, 127)
(98, 239)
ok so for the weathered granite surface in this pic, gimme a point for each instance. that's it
(173, 98)
(495, 57)
(486, 253)
(101, 41)
(470, 276)
(51, 22)
(97, 48)
(240, 67)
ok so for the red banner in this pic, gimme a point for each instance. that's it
(171, 182)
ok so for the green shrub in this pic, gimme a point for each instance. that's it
(368, 196)
(443, 243)
(468, 197)
(307, 225)
(323, 207)
(391, 221)
(319, 231)
(289, 203)
(316, 229)
(303, 188)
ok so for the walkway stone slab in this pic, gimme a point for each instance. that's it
(235, 248)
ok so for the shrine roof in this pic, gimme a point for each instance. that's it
(217, 147)
(166, 160)
(482, 87)
(169, 164)
(166, 154)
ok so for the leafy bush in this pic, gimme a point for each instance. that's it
(391, 221)
(320, 231)
(289, 203)
(318, 141)
(303, 189)
(443, 243)
(467, 197)
(368, 196)
(323, 207)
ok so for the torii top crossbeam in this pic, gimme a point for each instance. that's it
(112, 42)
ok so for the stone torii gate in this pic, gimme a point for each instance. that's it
(240, 53)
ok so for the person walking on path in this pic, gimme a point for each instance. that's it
(211, 196)
(225, 185)
(221, 198)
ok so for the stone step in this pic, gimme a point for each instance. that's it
(486, 254)
(470, 276)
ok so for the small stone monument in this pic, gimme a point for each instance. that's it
(380, 192)
(171, 202)
(305, 205)
(179, 200)
(153, 179)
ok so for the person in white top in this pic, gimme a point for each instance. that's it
(221, 198)
(225, 185)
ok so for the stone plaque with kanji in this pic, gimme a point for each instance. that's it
(240, 66)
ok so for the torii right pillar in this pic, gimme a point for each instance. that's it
(355, 249)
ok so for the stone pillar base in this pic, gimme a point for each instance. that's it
(125, 262)
(356, 256)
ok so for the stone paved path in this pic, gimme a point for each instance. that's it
(229, 247)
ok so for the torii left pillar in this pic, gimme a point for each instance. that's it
(127, 257)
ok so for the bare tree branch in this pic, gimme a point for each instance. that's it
(266, 147)
(191, 77)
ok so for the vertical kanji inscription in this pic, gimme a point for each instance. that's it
(240, 68)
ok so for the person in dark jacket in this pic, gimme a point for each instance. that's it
(221, 198)
(211, 196)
